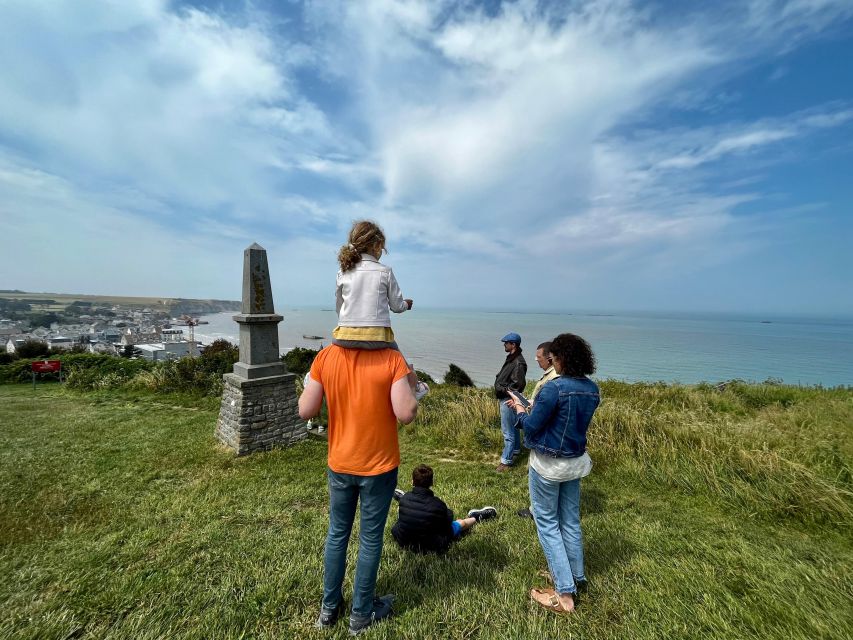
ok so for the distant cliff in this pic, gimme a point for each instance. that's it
(181, 306)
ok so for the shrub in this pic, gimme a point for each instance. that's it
(219, 357)
(18, 371)
(87, 371)
(32, 349)
(423, 376)
(298, 360)
(89, 367)
(6, 358)
(458, 377)
(188, 375)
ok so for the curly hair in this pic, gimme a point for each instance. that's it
(575, 355)
(364, 237)
(422, 476)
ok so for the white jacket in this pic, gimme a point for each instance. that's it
(366, 292)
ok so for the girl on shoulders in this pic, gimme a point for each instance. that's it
(366, 293)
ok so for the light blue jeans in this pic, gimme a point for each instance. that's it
(556, 511)
(373, 495)
(512, 438)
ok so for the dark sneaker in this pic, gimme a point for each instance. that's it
(525, 513)
(502, 467)
(398, 493)
(328, 617)
(381, 610)
(486, 513)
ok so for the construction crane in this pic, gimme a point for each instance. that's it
(192, 323)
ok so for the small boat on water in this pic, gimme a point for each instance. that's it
(312, 337)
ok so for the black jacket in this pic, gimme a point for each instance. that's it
(511, 375)
(424, 523)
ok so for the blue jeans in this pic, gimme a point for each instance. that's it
(345, 492)
(556, 511)
(512, 439)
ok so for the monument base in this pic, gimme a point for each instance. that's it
(259, 414)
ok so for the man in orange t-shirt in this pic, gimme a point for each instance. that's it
(366, 393)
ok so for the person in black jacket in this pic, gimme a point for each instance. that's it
(425, 524)
(510, 377)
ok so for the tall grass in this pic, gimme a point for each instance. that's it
(772, 450)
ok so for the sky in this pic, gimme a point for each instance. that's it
(596, 155)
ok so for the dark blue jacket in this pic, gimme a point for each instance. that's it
(561, 415)
(424, 523)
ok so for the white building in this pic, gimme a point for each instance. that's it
(14, 342)
(61, 342)
(158, 351)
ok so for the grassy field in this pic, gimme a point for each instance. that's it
(711, 513)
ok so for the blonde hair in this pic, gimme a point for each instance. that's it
(364, 237)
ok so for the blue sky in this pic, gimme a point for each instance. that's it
(608, 155)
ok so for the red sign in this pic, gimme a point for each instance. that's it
(46, 366)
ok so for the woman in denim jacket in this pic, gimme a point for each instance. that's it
(555, 433)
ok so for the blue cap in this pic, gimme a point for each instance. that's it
(512, 337)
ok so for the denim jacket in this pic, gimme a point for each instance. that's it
(562, 412)
(366, 293)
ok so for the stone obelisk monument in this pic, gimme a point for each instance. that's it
(259, 404)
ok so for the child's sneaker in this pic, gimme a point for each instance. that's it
(381, 610)
(486, 513)
(309, 425)
(398, 493)
(321, 428)
(421, 389)
(328, 617)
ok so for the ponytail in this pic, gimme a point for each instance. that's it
(348, 257)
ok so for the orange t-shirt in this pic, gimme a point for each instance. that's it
(362, 425)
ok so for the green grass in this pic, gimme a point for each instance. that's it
(709, 514)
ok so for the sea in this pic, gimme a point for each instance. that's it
(670, 347)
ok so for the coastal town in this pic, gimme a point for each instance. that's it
(153, 329)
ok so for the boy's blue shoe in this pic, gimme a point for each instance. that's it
(381, 610)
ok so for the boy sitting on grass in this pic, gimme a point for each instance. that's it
(425, 524)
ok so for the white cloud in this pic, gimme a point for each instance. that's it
(710, 144)
(183, 106)
(470, 135)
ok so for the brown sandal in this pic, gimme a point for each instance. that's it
(551, 602)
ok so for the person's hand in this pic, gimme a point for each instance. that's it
(512, 404)
(409, 302)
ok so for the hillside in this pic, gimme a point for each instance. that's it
(172, 306)
(711, 513)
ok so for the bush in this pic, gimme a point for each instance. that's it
(32, 349)
(6, 358)
(88, 371)
(298, 360)
(86, 367)
(219, 357)
(187, 375)
(423, 376)
(458, 377)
